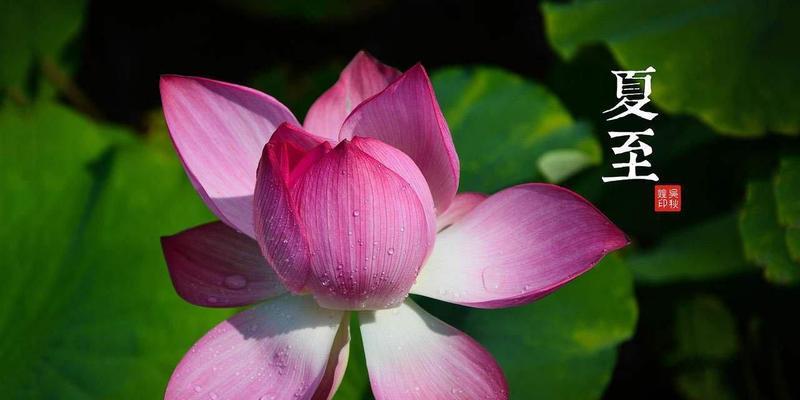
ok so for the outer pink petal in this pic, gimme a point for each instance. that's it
(407, 116)
(462, 204)
(367, 226)
(363, 77)
(278, 349)
(278, 229)
(517, 246)
(413, 355)
(337, 363)
(214, 266)
(219, 130)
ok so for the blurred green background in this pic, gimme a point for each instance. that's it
(702, 305)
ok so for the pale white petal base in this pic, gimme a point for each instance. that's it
(413, 355)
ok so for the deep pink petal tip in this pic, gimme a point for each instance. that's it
(218, 130)
(517, 246)
(361, 79)
(407, 116)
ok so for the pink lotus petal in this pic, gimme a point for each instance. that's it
(367, 226)
(363, 77)
(280, 348)
(462, 204)
(406, 115)
(413, 355)
(517, 246)
(214, 266)
(218, 130)
(278, 229)
(402, 165)
(337, 363)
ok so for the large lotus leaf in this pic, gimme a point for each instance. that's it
(33, 29)
(787, 191)
(763, 237)
(733, 64)
(704, 330)
(508, 130)
(787, 196)
(89, 311)
(562, 346)
(706, 383)
(711, 249)
(705, 339)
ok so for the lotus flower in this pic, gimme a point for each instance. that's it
(349, 214)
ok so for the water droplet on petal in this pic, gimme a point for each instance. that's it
(198, 389)
(235, 281)
(356, 213)
(390, 251)
(213, 300)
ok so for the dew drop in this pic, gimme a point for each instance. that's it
(285, 241)
(390, 251)
(213, 300)
(356, 213)
(235, 281)
(198, 389)
(213, 396)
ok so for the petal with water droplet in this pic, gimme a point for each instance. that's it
(212, 265)
(385, 200)
(280, 348)
(278, 229)
(517, 246)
